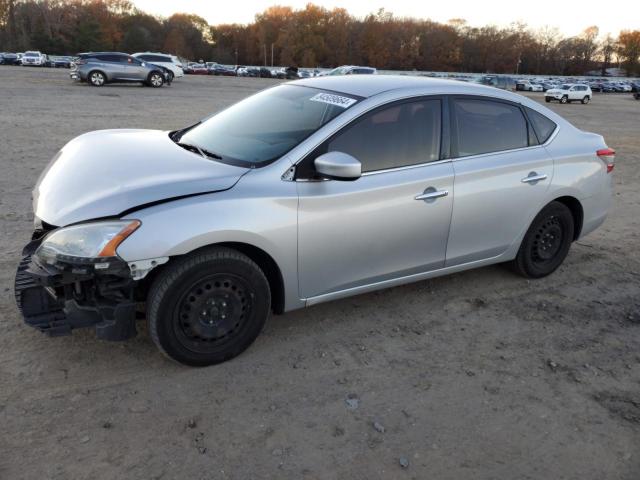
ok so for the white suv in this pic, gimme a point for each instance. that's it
(36, 59)
(569, 92)
(170, 62)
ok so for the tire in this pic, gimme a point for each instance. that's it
(564, 99)
(96, 78)
(155, 80)
(170, 76)
(208, 307)
(546, 243)
(547, 99)
(585, 100)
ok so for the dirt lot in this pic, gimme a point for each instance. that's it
(479, 375)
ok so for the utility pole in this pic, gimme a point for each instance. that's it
(272, 54)
(264, 47)
(236, 56)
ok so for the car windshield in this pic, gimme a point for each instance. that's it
(338, 71)
(265, 126)
(565, 87)
(31, 54)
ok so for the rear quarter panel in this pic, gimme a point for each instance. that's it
(581, 174)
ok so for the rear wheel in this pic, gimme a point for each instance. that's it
(546, 243)
(208, 307)
(97, 78)
(586, 99)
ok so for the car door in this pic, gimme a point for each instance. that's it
(501, 177)
(381, 226)
(575, 93)
(112, 65)
(135, 69)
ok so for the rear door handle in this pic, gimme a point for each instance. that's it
(431, 194)
(533, 177)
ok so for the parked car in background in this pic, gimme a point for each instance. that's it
(9, 59)
(169, 62)
(194, 68)
(498, 81)
(568, 93)
(61, 61)
(635, 86)
(33, 59)
(528, 86)
(100, 68)
(351, 70)
(637, 95)
(300, 194)
(223, 70)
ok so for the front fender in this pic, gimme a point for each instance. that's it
(257, 213)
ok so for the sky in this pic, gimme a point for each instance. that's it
(571, 17)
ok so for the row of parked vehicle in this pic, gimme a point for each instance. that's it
(596, 85)
(214, 68)
(35, 59)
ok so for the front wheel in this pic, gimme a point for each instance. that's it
(564, 99)
(156, 79)
(547, 99)
(585, 100)
(208, 307)
(546, 243)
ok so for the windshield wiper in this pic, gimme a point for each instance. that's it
(201, 151)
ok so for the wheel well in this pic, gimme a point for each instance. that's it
(262, 259)
(574, 205)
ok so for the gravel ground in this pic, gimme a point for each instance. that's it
(479, 375)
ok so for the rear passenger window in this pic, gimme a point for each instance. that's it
(484, 126)
(541, 124)
(400, 135)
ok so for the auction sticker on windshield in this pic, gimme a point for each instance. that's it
(332, 99)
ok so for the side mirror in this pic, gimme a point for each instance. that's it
(338, 166)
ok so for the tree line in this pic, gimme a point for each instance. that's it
(314, 37)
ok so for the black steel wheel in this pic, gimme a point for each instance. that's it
(546, 243)
(208, 307)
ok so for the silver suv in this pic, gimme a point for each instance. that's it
(105, 67)
(306, 192)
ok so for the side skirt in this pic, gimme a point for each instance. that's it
(404, 280)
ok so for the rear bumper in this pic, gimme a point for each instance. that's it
(56, 301)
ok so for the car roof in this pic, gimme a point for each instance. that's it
(370, 85)
(103, 53)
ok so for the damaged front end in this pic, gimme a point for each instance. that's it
(57, 292)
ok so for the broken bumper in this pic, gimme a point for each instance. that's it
(58, 299)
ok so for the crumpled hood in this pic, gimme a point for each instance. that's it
(106, 172)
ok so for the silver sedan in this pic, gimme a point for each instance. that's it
(305, 192)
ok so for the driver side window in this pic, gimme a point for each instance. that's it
(399, 135)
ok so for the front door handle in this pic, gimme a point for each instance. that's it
(533, 177)
(431, 194)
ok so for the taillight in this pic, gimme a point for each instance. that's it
(608, 156)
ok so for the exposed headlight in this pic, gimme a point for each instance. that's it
(86, 243)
